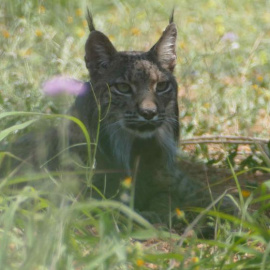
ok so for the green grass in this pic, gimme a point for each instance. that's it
(223, 89)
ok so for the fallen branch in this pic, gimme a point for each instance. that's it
(224, 140)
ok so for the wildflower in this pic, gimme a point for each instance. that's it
(257, 89)
(62, 84)
(84, 23)
(39, 33)
(69, 19)
(235, 46)
(182, 45)
(111, 37)
(220, 29)
(135, 31)
(5, 34)
(127, 182)
(80, 32)
(259, 78)
(245, 193)
(125, 197)
(78, 12)
(230, 37)
(41, 9)
(179, 214)
(140, 262)
(25, 53)
(28, 52)
(195, 260)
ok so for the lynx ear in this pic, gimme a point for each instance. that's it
(98, 51)
(98, 48)
(164, 49)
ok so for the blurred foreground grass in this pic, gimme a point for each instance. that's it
(223, 75)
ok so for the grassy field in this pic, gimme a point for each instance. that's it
(223, 74)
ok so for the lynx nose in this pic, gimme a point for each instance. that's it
(147, 107)
(148, 114)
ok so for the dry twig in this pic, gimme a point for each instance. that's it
(224, 140)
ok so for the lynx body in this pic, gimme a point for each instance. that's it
(132, 99)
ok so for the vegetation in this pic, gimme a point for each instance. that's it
(223, 74)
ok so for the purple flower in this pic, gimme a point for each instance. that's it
(62, 84)
(230, 37)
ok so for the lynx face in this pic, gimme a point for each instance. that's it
(137, 91)
(142, 96)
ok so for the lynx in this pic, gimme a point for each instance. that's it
(136, 93)
(130, 110)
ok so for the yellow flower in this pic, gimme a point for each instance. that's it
(28, 51)
(25, 53)
(135, 31)
(5, 34)
(69, 19)
(195, 260)
(127, 182)
(39, 33)
(259, 78)
(257, 89)
(111, 37)
(80, 32)
(41, 9)
(255, 86)
(140, 262)
(220, 29)
(179, 214)
(182, 45)
(84, 23)
(245, 193)
(78, 12)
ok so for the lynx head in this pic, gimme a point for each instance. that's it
(140, 90)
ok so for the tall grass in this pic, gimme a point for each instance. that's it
(223, 63)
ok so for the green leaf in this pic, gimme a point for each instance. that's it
(4, 133)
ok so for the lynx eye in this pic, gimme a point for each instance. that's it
(162, 87)
(123, 88)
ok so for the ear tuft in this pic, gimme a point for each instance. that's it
(165, 48)
(90, 21)
(171, 17)
(98, 48)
